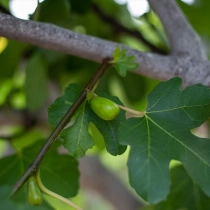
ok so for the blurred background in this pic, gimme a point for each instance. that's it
(31, 78)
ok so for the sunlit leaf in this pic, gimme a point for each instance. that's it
(3, 43)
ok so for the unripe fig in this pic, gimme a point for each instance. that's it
(34, 194)
(104, 108)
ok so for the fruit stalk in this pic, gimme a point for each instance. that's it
(54, 195)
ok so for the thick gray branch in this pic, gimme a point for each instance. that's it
(55, 38)
(191, 70)
(181, 36)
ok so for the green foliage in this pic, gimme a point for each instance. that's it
(61, 105)
(161, 135)
(109, 128)
(80, 6)
(58, 172)
(36, 83)
(130, 89)
(77, 140)
(201, 9)
(20, 202)
(123, 63)
(97, 137)
(5, 3)
(184, 193)
(52, 12)
(9, 64)
(62, 170)
(164, 134)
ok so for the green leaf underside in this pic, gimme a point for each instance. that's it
(164, 134)
(123, 63)
(77, 140)
(59, 173)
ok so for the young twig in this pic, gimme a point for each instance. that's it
(33, 167)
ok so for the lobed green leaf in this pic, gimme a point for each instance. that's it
(76, 138)
(184, 193)
(61, 105)
(164, 134)
(123, 63)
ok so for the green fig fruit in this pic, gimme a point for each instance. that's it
(104, 108)
(34, 194)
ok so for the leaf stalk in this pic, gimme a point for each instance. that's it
(131, 110)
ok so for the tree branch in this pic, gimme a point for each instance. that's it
(56, 38)
(181, 36)
(190, 68)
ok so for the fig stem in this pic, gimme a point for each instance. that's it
(131, 110)
(53, 194)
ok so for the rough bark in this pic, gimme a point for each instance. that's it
(181, 36)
